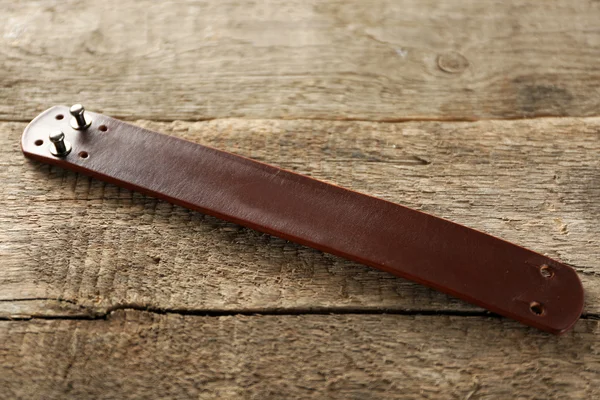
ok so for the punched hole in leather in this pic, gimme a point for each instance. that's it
(489, 272)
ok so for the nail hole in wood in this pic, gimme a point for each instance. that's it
(83, 154)
(59, 116)
(546, 271)
(39, 142)
(536, 308)
(103, 128)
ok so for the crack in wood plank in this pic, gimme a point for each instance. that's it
(72, 311)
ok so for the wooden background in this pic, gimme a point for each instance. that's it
(483, 112)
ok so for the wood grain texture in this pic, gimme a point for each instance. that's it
(238, 314)
(134, 355)
(337, 59)
(74, 246)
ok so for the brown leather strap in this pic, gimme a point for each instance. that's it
(481, 269)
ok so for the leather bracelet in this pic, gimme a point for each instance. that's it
(502, 277)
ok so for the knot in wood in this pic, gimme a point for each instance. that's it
(452, 62)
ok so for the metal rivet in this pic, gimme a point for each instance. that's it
(59, 146)
(79, 121)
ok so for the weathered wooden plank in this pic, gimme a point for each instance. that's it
(144, 355)
(67, 237)
(335, 59)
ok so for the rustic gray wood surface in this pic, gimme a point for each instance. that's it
(105, 293)
(148, 355)
(335, 59)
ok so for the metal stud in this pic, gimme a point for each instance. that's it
(59, 146)
(79, 121)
